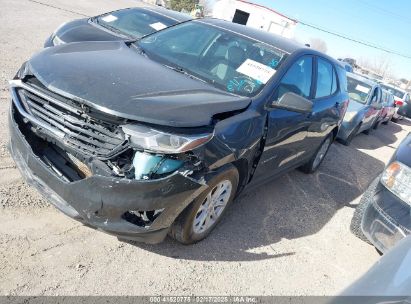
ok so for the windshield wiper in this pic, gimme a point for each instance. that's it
(139, 49)
(183, 71)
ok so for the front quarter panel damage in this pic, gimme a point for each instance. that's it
(235, 138)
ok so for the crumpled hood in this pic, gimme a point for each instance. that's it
(81, 30)
(116, 79)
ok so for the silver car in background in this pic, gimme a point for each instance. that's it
(364, 108)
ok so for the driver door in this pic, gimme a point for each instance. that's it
(287, 131)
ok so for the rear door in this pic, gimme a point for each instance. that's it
(328, 103)
(286, 142)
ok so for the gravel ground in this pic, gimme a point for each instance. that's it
(289, 237)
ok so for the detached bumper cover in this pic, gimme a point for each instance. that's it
(386, 220)
(100, 201)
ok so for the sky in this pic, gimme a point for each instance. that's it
(380, 22)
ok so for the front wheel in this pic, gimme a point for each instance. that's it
(347, 142)
(368, 131)
(312, 165)
(197, 221)
(376, 125)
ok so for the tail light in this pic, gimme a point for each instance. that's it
(399, 103)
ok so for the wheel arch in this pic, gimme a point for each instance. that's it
(242, 167)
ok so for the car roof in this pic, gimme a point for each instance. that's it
(362, 78)
(177, 16)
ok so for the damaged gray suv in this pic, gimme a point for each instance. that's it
(158, 136)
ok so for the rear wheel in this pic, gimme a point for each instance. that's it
(197, 221)
(312, 165)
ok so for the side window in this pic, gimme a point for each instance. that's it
(342, 77)
(380, 100)
(326, 79)
(334, 85)
(374, 97)
(384, 98)
(297, 79)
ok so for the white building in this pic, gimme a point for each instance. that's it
(254, 15)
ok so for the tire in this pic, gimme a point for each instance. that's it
(313, 164)
(183, 229)
(347, 142)
(386, 122)
(376, 125)
(368, 131)
(356, 220)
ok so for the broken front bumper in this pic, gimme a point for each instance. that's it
(101, 202)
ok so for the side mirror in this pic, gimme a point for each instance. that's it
(293, 102)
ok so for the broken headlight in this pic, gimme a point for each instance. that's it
(147, 138)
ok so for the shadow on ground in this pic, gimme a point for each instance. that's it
(292, 206)
(405, 122)
(385, 135)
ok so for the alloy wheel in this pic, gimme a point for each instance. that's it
(321, 153)
(212, 207)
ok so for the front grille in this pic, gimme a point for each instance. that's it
(80, 132)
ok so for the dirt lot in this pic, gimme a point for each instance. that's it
(289, 237)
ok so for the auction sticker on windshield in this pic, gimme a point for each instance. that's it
(362, 89)
(256, 70)
(158, 26)
(109, 18)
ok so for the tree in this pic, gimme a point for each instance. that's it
(208, 6)
(179, 5)
(380, 65)
(318, 44)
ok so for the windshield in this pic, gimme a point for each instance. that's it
(358, 90)
(134, 22)
(227, 60)
(393, 91)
